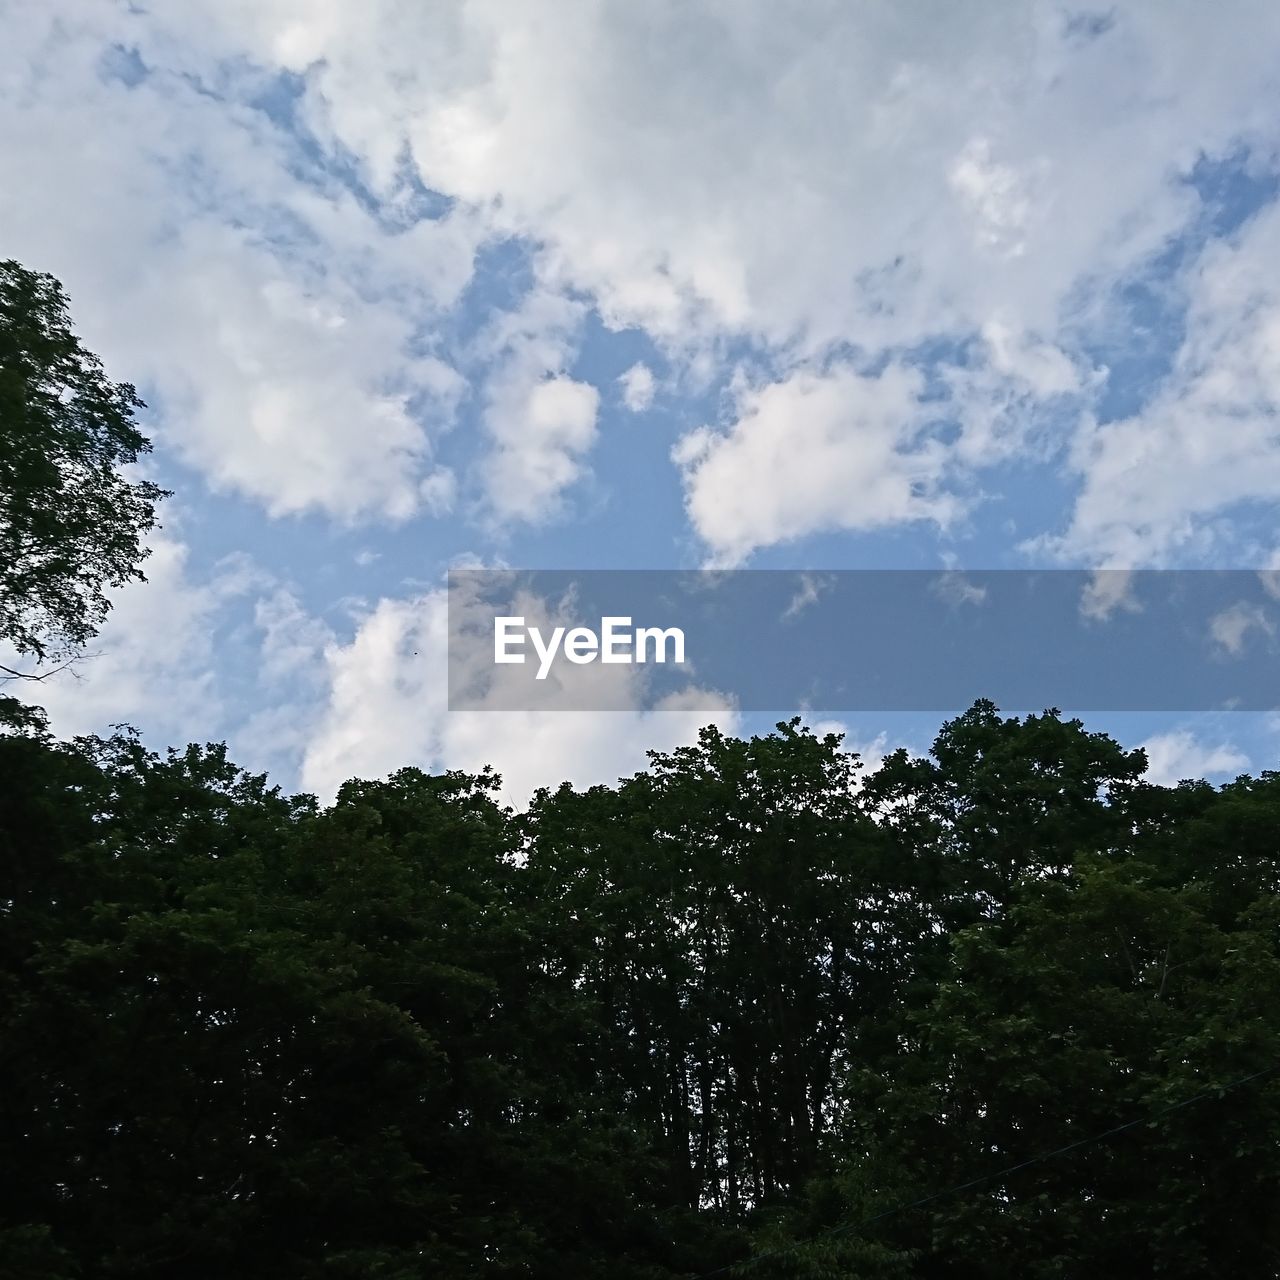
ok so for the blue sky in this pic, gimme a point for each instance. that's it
(588, 285)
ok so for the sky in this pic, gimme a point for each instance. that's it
(710, 284)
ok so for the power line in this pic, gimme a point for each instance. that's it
(847, 1227)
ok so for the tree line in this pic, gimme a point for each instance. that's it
(716, 1011)
(1006, 1010)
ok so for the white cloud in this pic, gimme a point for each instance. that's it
(1106, 591)
(291, 684)
(957, 590)
(541, 421)
(995, 195)
(811, 589)
(387, 707)
(299, 400)
(1176, 755)
(383, 698)
(811, 178)
(542, 431)
(1155, 485)
(867, 174)
(275, 321)
(1044, 369)
(152, 665)
(637, 387)
(292, 639)
(1230, 628)
(835, 450)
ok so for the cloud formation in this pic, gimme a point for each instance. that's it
(375, 265)
(816, 451)
(273, 320)
(1157, 485)
(807, 179)
(387, 705)
(1179, 754)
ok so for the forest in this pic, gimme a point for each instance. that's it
(1004, 1010)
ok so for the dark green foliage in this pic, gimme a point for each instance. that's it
(247, 1038)
(1110, 951)
(70, 523)
(721, 1014)
(729, 915)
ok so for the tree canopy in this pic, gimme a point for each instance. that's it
(71, 524)
(741, 1010)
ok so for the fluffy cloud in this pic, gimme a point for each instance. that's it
(1176, 755)
(835, 450)
(541, 430)
(806, 178)
(1230, 629)
(387, 706)
(796, 172)
(153, 663)
(273, 320)
(638, 386)
(541, 421)
(811, 178)
(1107, 591)
(996, 197)
(1153, 483)
(323, 708)
(297, 397)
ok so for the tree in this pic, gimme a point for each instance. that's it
(1005, 1012)
(71, 525)
(729, 912)
(1104, 991)
(316, 1037)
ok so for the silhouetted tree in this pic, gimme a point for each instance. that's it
(71, 525)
